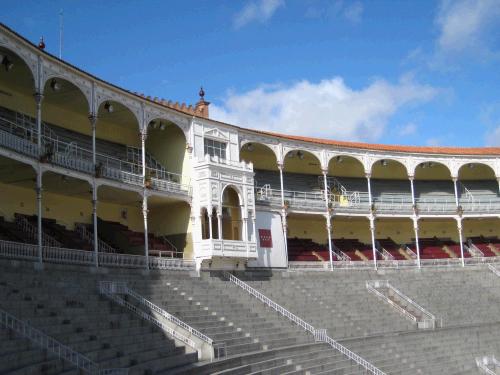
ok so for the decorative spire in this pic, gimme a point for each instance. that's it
(41, 44)
(202, 93)
(201, 108)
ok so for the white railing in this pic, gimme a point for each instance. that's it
(112, 292)
(333, 182)
(88, 236)
(32, 232)
(53, 346)
(340, 255)
(18, 250)
(425, 320)
(387, 255)
(122, 288)
(488, 364)
(70, 155)
(493, 269)
(473, 250)
(410, 252)
(319, 334)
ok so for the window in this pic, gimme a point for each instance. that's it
(215, 148)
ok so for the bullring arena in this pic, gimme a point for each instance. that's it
(140, 236)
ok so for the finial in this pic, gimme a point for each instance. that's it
(202, 93)
(41, 43)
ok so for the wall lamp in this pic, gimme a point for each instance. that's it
(250, 147)
(108, 107)
(54, 85)
(383, 162)
(6, 62)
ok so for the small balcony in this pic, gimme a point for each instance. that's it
(211, 248)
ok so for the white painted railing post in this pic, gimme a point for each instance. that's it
(460, 236)
(328, 217)
(39, 213)
(283, 211)
(94, 221)
(417, 244)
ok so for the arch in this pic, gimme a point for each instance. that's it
(23, 58)
(379, 168)
(232, 215)
(259, 151)
(167, 144)
(102, 100)
(428, 165)
(345, 165)
(297, 159)
(476, 171)
(60, 88)
(236, 189)
(334, 156)
(18, 84)
(117, 123)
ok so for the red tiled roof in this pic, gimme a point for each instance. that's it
(190, 110)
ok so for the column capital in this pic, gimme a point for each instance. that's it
(411, 177)
(368, 175)
(324, 171)
(38, 97)
(280, 166)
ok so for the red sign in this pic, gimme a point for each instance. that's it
(266, 239)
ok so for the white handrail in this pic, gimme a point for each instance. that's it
(411, 253)
(320, 334)
(112, 294)
(427, 318)
(493, 269)
(53, 346)
(387, 255)
(32, 231)
(86, 235)
(484, 363)
(122, 288)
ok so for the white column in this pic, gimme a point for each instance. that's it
(417, 245)
(254, 238)
(39, 213)
(93, 122)
(368, 181)
(328, 219)
(374, 249)
(412, 186)
(329, 231)
(498, 179)
(460, 236)
(210, 215)
(283, 212)
(94, 219)
(145, 197)
(455, 180)
(145, 217)
(219, 224)
(38, 102)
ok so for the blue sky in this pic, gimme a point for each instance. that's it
(421, 72)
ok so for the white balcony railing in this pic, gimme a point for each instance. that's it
(70, 155)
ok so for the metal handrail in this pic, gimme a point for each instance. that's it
(122, 288)
(85, 234)
(53, 346)
(111, 294)
(319, 334)
(372, 286)
(30, 230)
(483, 364)
(493, 269)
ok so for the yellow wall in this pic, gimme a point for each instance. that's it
(173, 219)
(400, 231)
(481, 227)
(77, 122)
(349, 167)
(309, 165)
(479, 172)
(438, 228)
(393, 170)
(65, 210)
(169, 148)
(437, 172)
(261, 157)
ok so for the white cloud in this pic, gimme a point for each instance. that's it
(493, 137)
(260, 11)
(463, 24)
(328, 108)
(407, 129)
(354, 12)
